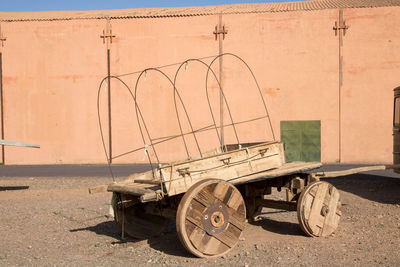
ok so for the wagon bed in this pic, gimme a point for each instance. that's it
(249, 164)
(149, 190)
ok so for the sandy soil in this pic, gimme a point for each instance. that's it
(54, 221)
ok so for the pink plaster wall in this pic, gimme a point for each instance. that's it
(295, 57)
(371, 62)
(52, 72)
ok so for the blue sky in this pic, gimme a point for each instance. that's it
(49, 5)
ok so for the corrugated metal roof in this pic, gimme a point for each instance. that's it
(195, 11)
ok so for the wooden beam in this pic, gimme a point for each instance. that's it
(349, 172)
(277, 204)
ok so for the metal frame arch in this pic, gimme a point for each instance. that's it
(99, 117)
(175, 80)
(255, 80)
(144, 124)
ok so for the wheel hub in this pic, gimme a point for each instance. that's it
(324, 211)
(215, 218)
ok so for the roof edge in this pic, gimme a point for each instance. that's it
(194, 11)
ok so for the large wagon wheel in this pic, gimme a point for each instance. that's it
(319, 209)
(210, 218)
(135, 222)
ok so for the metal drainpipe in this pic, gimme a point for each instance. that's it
(340, 82)
(2, 40)
(2, 107)
(221, 98)
(109, 106)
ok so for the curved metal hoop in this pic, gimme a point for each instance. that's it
(255, 80)
(144, 131)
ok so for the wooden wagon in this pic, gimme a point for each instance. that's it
(212, 196)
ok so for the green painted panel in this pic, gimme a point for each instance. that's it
(302, 140)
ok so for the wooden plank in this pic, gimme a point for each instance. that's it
(205, 197)
(257, 165)
(98, 189)
(236, 220)
(180, 177)
(256, 147)
(215, 247)
(332, 218)
(132, 189)
(204, 242)
(226, 194)
(233, 155)
(195, 212)
(349, 172)
(221, 191)
(307, 206)
(199, 238)
(315, 219)
(286, 169)
(153, 181)
(277, 204)
(230, 235)
(149, 197)
(235, 200)
(194, 232)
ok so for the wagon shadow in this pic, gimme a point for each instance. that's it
(107, 228)
(167, 243)
(12, 188)
(278, 227)
(376, 188)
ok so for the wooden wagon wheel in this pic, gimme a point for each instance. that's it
(319, 209)
(137, 223)
(210, 218)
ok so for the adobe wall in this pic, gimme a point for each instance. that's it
(52, 71)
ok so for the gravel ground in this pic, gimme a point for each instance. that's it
(54, 221)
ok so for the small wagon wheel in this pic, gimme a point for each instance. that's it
(319, 209)
(210, 218)
(135, 222)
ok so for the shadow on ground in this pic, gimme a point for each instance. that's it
(382, 189)
(168, 242)
(11, 188)
(107, 228)
(278, 227)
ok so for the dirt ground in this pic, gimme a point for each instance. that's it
(48, 218)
